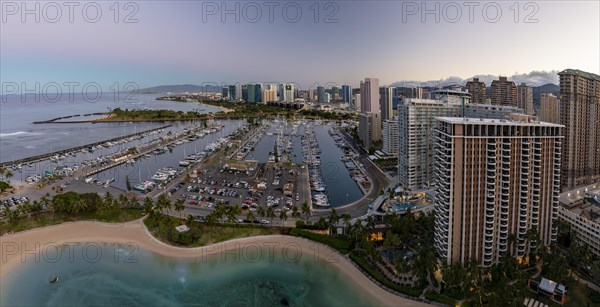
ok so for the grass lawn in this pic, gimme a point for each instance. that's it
(163, 228)
(47, 219)
(340, 244)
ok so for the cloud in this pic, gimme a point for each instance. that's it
(534, 78)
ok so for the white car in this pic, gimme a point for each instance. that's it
(264, 222)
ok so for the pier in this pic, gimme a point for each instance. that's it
(45, 156)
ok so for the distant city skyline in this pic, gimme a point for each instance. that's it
(173, 45)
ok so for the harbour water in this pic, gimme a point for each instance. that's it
(105, 275)
(341, 188)
(20, 138)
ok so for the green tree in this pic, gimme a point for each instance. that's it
(295, 213)
(283, 217)
(179, 207)
(250, 216)
(271, 214)
(306, 210)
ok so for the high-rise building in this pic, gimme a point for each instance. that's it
(549, 108)
(224, 92)
(525, 98)
(327, 98)
(288, 92)
(390, 137)
(369, 95)
(386, 95)
(369, 128)
(347, 94)
(335, 93)
(254, 93)
(455, 96)
(232, 93)
(477, 90)
(270, 94)
(357, 102)
(416, 124)
(503, 92)
(580, 113)
(320, 94)
(495, 179)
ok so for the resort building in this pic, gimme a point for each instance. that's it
(477, 90)
(503, 92)
(390, 137)
(581, 209)
(495, 178)
(580, 113)
(416, 124)
(549, 108)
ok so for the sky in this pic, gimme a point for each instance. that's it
(154, 43)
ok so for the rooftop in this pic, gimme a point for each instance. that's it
(580, 73)
(488, 121)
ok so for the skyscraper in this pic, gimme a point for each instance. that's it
(288, 92)
(549, 108)
(390, 137)
(347, 94)
(386, 95)
(525, 98)
(495, 179)
(503, 92)
(369, 95)
(416, 124)
(477, 90)
(357, 102)
(580, 113)
(369, 128)
(321, 94)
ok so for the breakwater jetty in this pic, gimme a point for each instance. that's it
(60, 120)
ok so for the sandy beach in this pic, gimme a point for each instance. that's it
(136, 232)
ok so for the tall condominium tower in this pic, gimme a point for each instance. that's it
(416, 124)
(495, 179)
(503, 92)
(580, 113)
(386, 95)
(525, 98)
(549, 108)
(369, 128)
(390, 137)
(347, 94)
(477, 90)
(369, 95)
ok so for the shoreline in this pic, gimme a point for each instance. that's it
(136, 232)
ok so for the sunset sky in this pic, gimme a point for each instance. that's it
(171, 44)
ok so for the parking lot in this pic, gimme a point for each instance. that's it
(270, 185)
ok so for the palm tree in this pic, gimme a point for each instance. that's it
(305, 210)
(108, 200)
(333, 218)
(346, 218)
(283, 217)
(179, 207)
(189, 220)
(36, 208)
(295, 212)
(271, 214)
(425, 263)
(233, 212)
(250, 216)
(261, 211)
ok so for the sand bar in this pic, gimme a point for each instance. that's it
(136, 232)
